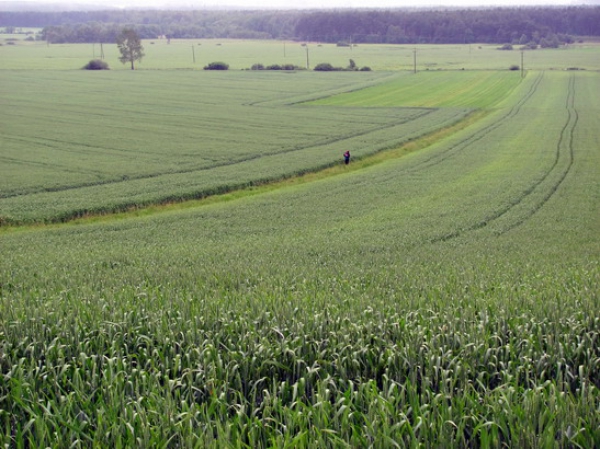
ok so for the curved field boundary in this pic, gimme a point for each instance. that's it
(172, 188)
(418, 114)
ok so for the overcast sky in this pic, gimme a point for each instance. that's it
(301, 4)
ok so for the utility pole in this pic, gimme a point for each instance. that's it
(522, 62)
(194, 54)
(415, 60)
(307, 62)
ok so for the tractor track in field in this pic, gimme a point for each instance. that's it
(566, 138)
(564, 149)
(480, 134)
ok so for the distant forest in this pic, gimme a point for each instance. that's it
(523, 26)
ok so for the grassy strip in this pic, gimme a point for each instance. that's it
(267, 186)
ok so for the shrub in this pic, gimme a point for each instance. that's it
(506, 47)
(365, 69)
(343, 44)
(324, 67)
(514, 67)
(96, 64)
(276, 67)
(217, 66)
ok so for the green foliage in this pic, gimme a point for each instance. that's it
(288, 67)
(326, 67)
(130, 46)
(217, 66)
(96, 64)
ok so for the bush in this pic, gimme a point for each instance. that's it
(324, 67)
(96, 64)
(506, 47)
(276, 67)
(343, 44)
(365, 69)
(514, 67)
(217, 66)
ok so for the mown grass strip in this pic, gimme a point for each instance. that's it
(263, 187)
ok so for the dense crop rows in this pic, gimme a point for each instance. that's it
(449, 298)
(431, 89)
(109, 148)
(152, 364)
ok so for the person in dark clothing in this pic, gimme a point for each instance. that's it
(347, 157)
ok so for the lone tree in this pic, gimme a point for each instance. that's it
(130, 46)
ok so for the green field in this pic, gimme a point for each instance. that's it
(115, 146)
(440, 291)
(240, 55)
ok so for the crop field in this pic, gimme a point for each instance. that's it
(443, 296)
(432, 89)
(113, 146)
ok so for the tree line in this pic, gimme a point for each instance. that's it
(398, 26)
